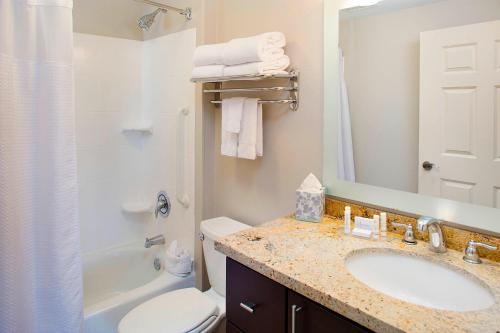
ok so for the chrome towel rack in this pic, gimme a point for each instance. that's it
(292, 88)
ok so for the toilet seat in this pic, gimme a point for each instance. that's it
(178, 311)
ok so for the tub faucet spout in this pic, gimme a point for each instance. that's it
(156, 240)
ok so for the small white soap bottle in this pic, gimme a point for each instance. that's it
(383, 225)
(376, 226)
(347, 220)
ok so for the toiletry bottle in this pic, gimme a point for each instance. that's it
(376, 227)
(383, 225)
(347, 220)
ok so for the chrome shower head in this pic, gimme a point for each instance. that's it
(147, 20)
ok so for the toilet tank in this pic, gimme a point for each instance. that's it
(216, 261)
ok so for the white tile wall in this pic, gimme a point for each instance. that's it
(121, 82)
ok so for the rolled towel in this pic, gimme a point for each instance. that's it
(276, 66)
(263, 47)
(200, 72)
(177, 260)
(210, 54)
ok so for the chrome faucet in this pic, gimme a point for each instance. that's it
(156, 240)
(409, 236)
(471, 255)
(436, 239)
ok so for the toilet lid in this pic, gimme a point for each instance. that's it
(174, 312)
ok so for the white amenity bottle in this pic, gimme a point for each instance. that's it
(347, 220)
(376, 226)
(383, 225)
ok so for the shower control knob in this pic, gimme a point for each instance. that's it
(427, 165)
(163, 205)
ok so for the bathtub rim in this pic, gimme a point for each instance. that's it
(164, 281)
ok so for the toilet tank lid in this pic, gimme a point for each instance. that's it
(220, 227)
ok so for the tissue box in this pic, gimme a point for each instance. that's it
(310, 206)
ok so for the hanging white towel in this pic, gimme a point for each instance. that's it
(207, 71)
(210, 54)
(232, 109)
(259, 147)
(275, 66)
(263, 47)
(247, 140)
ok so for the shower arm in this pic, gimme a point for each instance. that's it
(186, 12)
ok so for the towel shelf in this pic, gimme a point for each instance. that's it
(292, 89)
(249, 77)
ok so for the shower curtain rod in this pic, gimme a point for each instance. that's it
(186, 12)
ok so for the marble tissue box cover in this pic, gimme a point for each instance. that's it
(310, 206)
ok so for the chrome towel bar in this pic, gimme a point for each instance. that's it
(267, 101)
(292, 89)
(228, 90)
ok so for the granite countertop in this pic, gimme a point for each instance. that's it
(309, 259)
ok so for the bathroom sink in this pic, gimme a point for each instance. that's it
(420, 281)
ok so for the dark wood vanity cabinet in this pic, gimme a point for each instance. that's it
(257, 304)
(311, 317)
(254, 303)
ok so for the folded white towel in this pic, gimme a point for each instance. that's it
(210, 54)
(263, 47)
(232, 109)
(207, 71)
(247, 140)
(276, 66)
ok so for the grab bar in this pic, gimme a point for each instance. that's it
(181, 195)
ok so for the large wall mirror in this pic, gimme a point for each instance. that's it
(418, 107)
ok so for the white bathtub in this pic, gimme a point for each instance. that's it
(119, 279)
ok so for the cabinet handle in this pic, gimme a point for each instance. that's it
(247, 306)
(295, 309)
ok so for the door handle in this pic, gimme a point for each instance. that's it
(247, 306)
(427, 165)
(295, 309)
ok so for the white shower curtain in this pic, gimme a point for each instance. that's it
(40, 266)
(345, 158)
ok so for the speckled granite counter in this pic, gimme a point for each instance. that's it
(309, 259)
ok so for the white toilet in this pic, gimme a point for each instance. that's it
(189, 310)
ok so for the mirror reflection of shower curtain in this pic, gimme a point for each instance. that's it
(345, 158)
(40, 265)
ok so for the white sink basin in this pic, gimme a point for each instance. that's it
(417, 280)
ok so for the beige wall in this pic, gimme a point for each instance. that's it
(382, 74)
(112, 18)
(257, 191)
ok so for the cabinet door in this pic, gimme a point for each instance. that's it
(306, 316)
(254, 303)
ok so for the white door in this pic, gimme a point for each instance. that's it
(460, 113)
